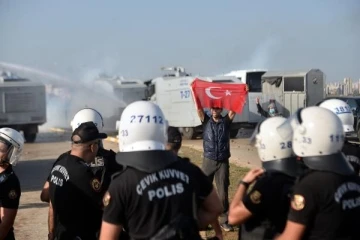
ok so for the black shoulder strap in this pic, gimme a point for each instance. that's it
(4, 176)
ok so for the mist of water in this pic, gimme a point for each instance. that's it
(79, 93)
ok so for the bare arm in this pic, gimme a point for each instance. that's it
(51, 222)
(7, 221)
(210, 209)
(293, 231)
(238, 213)
(44, 196)
(201, 114)
(231, 115)
(110, 231)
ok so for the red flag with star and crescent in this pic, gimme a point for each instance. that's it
(230, 96)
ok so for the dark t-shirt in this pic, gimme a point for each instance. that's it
(75, 193)
(328, 205)
(269, 199)
(106, 167)
(10, 193)
(143, 203)
(352, 152)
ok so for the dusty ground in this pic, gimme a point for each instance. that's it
(37, 159)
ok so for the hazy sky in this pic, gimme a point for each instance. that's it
(136, 38)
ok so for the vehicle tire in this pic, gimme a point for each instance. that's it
(29, 137)
(188, 133)
(234, 133)
(358, 134)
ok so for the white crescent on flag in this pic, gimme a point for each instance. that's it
(208, 92)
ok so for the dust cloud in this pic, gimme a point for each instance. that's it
(66, 96)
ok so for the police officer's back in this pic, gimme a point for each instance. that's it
(263, 210)
(343, 111)
(75, 192)
(325, 201)
(155, 196)
(104, 165)
(11, 145)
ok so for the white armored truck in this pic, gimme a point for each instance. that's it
(172, 92)
(120, 93)
(22, 104)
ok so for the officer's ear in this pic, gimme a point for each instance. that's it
(94, 147)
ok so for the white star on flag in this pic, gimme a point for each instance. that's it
(227, 93)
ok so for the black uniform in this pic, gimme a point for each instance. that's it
(103, 173)
(10, 193)
(352, 152)
(75, 193)
(162, 191)
(328, 204)
(268, 201)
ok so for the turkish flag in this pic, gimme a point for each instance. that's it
(231, 96)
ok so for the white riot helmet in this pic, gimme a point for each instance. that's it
(15, 143)
(342, 110)
(274, 151)
(318, 137)
(87, 115)
(142, 127)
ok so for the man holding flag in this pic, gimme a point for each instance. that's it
(216, 132)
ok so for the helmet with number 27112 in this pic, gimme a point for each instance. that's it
(142, 127)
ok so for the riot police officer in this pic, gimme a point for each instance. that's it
(174, 144)
(103, 167)
(155, 196)
(75, 193)
(263, 210)
(11, 146)
(343, 111)
(325, 201)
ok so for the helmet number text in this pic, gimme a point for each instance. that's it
(124, 133)
(146, 118)
(344, 109)
(307, 140)
(285, 145)
(336, 138)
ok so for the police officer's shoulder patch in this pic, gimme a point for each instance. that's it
(255, 197)
(106, 199)
(95, 184)
(12, 194)
(298, 202)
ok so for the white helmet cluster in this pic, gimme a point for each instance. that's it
(318, 137)
(274, 151)
(270, 145)
(343, 111)
(317, 131)
(87, 115)
(142, 127)
(15, 141)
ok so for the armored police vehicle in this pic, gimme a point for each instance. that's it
(292, 90)
(172, 92)
(120, 92)
(22, 103)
